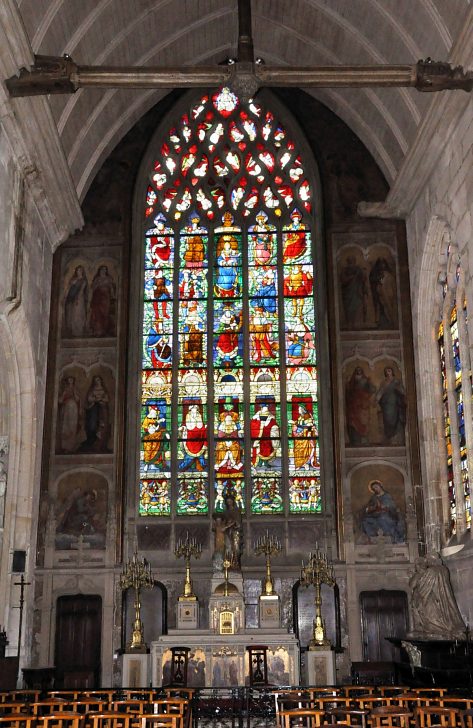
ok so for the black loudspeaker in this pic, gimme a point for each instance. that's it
(19, 562)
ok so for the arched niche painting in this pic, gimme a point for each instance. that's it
(375, 404)
(153, 613)
(89, 299)
(378, 504)
(81, 510)
(304, 613)
(85, 411)
(367, 284)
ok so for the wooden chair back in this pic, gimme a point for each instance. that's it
(434, 715)
(16, 707)
(466, 718)
(348, 716)
(162, 720)
(17, 720)
(110, 719)
(105, 695)
(129, 706)
(49, 705)
(300, 718)
(178, 706)
(63, 719)
(87, 706)
(29, 696)
(353, 691)
(390, 715)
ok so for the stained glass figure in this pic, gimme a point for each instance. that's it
(296, 241)
(304, 495)
(265, 433)
(155, 497)
(234, 487)
(228, 339)
(192, 498)
(192, 336)
(216, 303)
(266, 495)
(193, 448)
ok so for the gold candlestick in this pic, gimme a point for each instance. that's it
(137, 575)
(268, 545)
(187, 549)
(317, 572)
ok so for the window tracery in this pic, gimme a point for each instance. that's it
(229, 368)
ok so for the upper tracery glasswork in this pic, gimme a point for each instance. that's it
(229, 382)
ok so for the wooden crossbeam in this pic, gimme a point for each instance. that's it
(56, 75)
(60, 75)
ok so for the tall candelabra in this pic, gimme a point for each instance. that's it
(137, 575)
(268, 545)
(317, 572)
(188, 549)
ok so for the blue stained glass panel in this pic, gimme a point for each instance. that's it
(157, 349)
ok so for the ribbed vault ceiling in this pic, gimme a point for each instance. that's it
(193, 32)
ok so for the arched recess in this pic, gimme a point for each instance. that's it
(20, 424)
(154, 606)
(427, 313)
(281, 207)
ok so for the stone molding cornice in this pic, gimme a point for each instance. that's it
(434, 130)
(33, 137)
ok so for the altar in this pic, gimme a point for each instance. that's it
(217, 660)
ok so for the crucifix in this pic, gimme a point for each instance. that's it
(22, 583)
(244, 75)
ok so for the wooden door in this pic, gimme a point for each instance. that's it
(78, 641)
(383, 614)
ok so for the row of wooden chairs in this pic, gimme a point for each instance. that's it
(390, 706)
(107, 719)
(106, 695)
(56, 711)
(378, 717)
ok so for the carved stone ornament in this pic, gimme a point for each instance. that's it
(243, 81)
(48, 75)
(439, 76)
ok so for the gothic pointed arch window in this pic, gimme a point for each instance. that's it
(456, 381)
(229, 387)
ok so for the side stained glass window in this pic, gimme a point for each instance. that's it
(229, 374)
(457, 402)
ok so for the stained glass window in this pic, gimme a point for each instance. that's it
(454, 392)
(229, 376)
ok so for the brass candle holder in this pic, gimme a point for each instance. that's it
(268, 545)
(187, 549)
(317, 572)
(137, 575)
